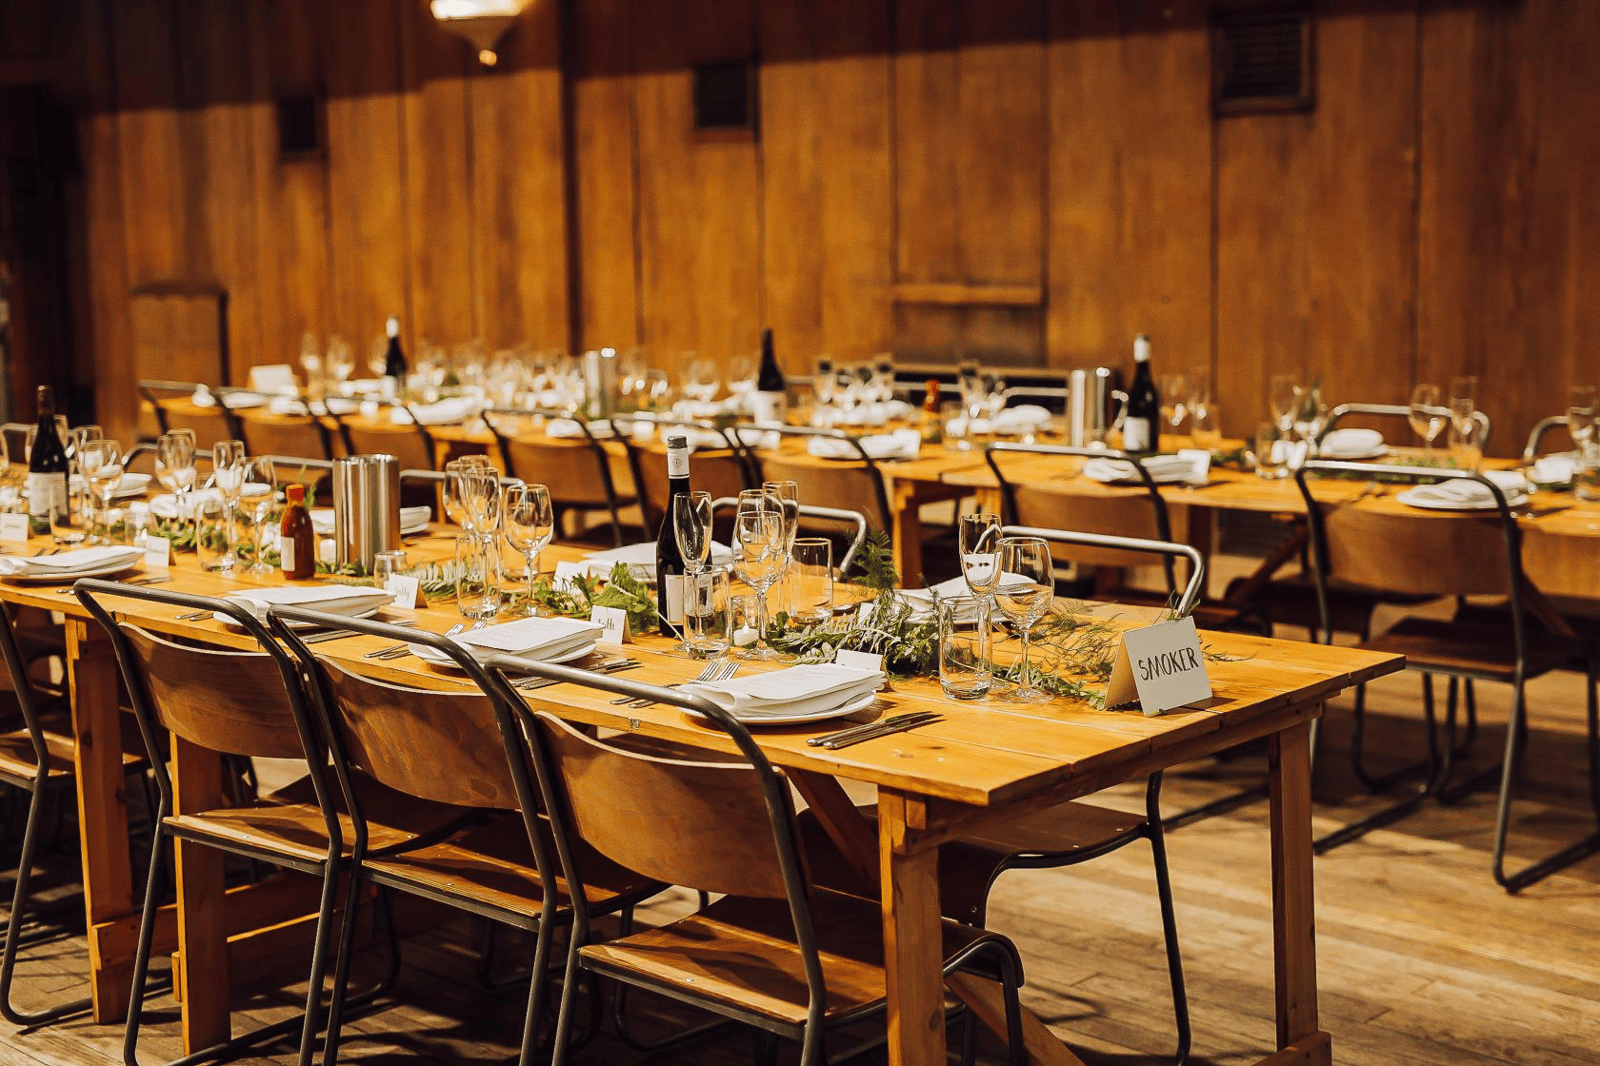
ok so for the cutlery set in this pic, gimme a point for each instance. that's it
(615, 666)
(715, 670)
(856, 734)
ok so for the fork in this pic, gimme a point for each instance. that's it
(616, 666)
(395, 651)
(710, 672)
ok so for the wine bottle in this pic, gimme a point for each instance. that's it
(669, 557)
(1141, 430)
(768, 401)
(932, 428)
(47, 462)
(394, 359)
(297, 538)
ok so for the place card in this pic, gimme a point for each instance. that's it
(1161, 667)
(406, 590)
(613, 622)
(1200, 458)
(157, 553)
(14, 527)
(863, 660)
(566, 572)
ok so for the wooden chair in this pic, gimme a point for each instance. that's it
(1442, 554)
(790, 958)
(36, 758)
(220, 701)
(380, 434)
(848, 485)
(818, 520)
(720, 471)
(463, 749)
(170, 401)
(580, 473)
(266, 433)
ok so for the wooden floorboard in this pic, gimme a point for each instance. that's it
(1424, 961)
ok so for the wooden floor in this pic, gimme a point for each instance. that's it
(1423, 960)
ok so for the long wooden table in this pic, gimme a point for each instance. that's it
(986, 762)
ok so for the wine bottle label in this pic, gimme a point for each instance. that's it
(46, 493)
(677, 462)
(1136, 434)
(286, 554)
(672, 589)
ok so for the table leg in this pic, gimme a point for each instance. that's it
(905, 520)
(1293, 899)
(202, 973)
(911, 948)
(102, 808)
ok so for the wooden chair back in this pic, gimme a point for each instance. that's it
(840, 484)
(575, 473)
(702, 825)
(222, 700)
(717, 471)
(440, 746)
(269, 434)
(1420, 553)
(411, 444)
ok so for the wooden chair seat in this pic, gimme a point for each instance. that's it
(289, 822)
(18, 763)
(1292, 601)
(493, 865)
(1477, 651)
(741, 952)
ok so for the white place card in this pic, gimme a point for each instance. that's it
(1160, 666)
(565, 572)
(1200, 471)
(157, 553)
(14, 527)
(406, 590)
(614, 623)
(864, 660)
(272, 378)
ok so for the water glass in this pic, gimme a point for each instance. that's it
(811, 581)
(386, 565)
(707, 617)
(1205, 427)
(477, 577)
(212, 522)
(964, 632)
(953, 424)
(1466, 444)
(1586, 479)
(1272, 451)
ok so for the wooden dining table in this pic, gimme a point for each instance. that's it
(985, 762)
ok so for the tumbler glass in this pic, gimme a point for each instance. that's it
(212, 519)
(811, 581)
(706, 616)
(477, 577)
(964, 663)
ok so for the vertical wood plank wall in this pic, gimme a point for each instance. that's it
(1039, 179)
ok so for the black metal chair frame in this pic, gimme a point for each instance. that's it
(88, 590)
(502, 440)
(149, 388)
(855, 519)
(1395, 410)
(880, 494)
(1440, 766)
(730, 439)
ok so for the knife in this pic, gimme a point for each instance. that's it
(896, 724)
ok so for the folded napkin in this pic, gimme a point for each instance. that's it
(272, 377)
(901, 444)
(240, 401)
(443, 413)
(129, 484)
(760, 439)
(566, 427)
(1558, 469)
(1162, 468)
(1350, 443)
(349, 600)
(899, 409)
(286, 405)
(922, 600)
(412, 519)
(534, 639)
(640, 559)
(1460, 492)
(1021, 419)
(799, 690)
(202, 397)
(165, 505)
(65, 564)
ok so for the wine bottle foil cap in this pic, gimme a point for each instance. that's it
(678, 442)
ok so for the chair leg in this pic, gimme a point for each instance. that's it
(569, 996)
(19, 906)
(319, 960)
(1169, 927)
(536, 993)
(141, 956)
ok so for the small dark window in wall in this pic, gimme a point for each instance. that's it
(299, 127)
(725, 95)
(1262, 56)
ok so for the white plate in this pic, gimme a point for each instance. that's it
(1464, 505)
(228, 621)
(1349, 457)
(67, 579)
(800, 719)
(434, 657)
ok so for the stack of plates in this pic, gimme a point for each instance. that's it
(799, 694)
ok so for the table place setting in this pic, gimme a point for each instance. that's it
(1464, 494)
(413, 520)
(352, 601)
(1164, 470)
(640, 560)
(900, 444)
(535, 640)
(807, 693)
(69, 565)
(1352, 444)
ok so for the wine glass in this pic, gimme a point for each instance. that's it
(100, 462)
(1024, 594)
(1174, 399)
(1310, 415)
(529, 524)
(979, 544)
(822, 380)
(787, 497)
(699, 378)
(1580, 415)
(1425, 415)
(758, 558)
(482, 496)
(742, 377)
(311, 360)
(455, 489)
(1282, 395)
(340, 360)
(227, 472)
(691, 523)
(378, 355)
(1464, 403)
(175, 464)
(257, 496)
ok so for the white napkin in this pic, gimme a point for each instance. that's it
(129, 484)
(66, 564)
(640, 559)
(566, 427)
(1343, 443)
(901, 444)
(241, 401)
(900, 410)
(333, 599)
(412, 519)
(165, 505)
(1021, 419)
(760, 439)
(963, 426)
(1161, 467)
(454, 409)
(272, 377)
(921, 600)
(286, 405)
(534, 639)
(202, 397)
(1461, 491)
(1558, 469)
(799, 690)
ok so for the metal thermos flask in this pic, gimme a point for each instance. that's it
(366, 508)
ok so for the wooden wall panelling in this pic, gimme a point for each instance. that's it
(604, 157)
(368, 247)
(519, 212)
(437, 180)
(1316, 225)
(1509, 220)
(156, 203)
(826, 193)
(699, 195)
(285, 42)
(1130, 188)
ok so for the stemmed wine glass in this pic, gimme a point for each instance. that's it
(1425, 415)
(1174, 399)
(691, 522)
(758, 558)
(257, 495)
(699, 378)
(978, 541)
(311, 361)
(1464, 404)
(227, 472)
(482, 497)
(1024, 595)
(101, 463)
(175, 465)
(1283, 397)
(822, 381)
(529, 524)
(1580, 416)
(340, 362)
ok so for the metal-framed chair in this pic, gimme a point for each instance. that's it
(806, 957)
(1452, 554)
(265, 433)
(830, 517)
(455, 748)
(1530, 451)
(585, 479)
(1395, 410)
(722, 473)
(210, 424)
(851, 484)
(381, 433)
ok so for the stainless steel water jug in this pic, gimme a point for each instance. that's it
(366, 508)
